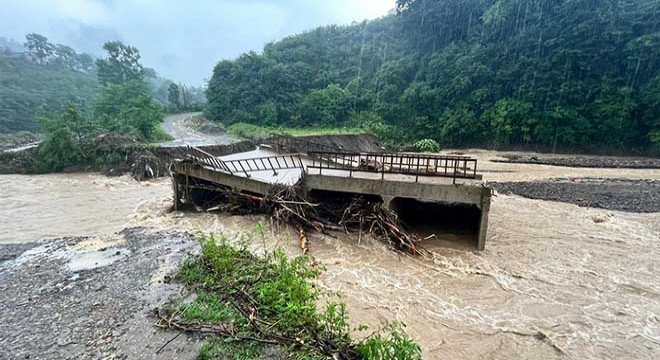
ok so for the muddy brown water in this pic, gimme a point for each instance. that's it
(556, 280)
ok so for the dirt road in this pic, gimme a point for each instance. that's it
(177, 127)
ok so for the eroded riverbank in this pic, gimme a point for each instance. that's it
(90, 298)
(556, 280)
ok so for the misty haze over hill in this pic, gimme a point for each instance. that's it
(182, 40)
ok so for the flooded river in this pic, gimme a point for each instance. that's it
(556, 281)
(35, 207)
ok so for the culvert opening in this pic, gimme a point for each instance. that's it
(444, 224)
(203, 193)
(336, 197)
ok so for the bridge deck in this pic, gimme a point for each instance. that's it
(252, 172)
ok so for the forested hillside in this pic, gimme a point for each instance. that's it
(39, 77)
(548, 73)
(28, 87)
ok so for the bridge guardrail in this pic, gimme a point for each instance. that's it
(246, 166)
(455, 167)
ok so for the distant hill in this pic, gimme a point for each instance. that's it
(41, 76)
(26, 88)
(10, 45)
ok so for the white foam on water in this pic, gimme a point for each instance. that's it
(555, 281)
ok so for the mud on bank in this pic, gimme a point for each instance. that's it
(584, 161)
(89, 298)
(639, 196)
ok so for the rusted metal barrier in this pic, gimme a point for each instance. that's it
(246, 166)
(268, 163)
(456, 167)
(204, 158)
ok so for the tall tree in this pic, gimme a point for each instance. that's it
(125, 104)
(85, 63)
(184, 97)
(173, 96)
(66, 56)
(39, 45)
(122, 64)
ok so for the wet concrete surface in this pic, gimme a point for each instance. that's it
(89, 298)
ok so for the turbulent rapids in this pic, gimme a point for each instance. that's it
(556, 281)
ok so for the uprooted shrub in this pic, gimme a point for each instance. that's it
(250, 304)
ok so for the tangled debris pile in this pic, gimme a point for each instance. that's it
(146, 166)
(290, 205)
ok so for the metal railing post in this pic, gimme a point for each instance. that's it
(246, 173)
(272, 167)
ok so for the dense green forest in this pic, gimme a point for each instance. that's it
(123, 112)
(579, 74)
(39, 77)
(27, 87)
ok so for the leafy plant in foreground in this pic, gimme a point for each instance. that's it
(270, 303)
(394, 346)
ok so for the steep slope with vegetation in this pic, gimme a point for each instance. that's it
(547, 73)
(30, 85)
(124, 112)
(38, 77)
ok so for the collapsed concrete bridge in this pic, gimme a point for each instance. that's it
(433, 189)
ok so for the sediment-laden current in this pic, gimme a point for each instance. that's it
(556, 280)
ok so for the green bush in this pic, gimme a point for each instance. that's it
(394, 346)
(249, 131)
(288, 294)
(282, 299)
(227, 349)
(427, 146)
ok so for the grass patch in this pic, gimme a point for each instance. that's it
(250, 131)
(208, 308)
(227, 349)
(159, 135)
(269, 304)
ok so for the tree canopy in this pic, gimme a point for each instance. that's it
(552, 73)
(122, 64)
(39, 77)
(29, 88)
(123, 107)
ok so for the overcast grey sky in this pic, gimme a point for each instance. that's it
(181, 39)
